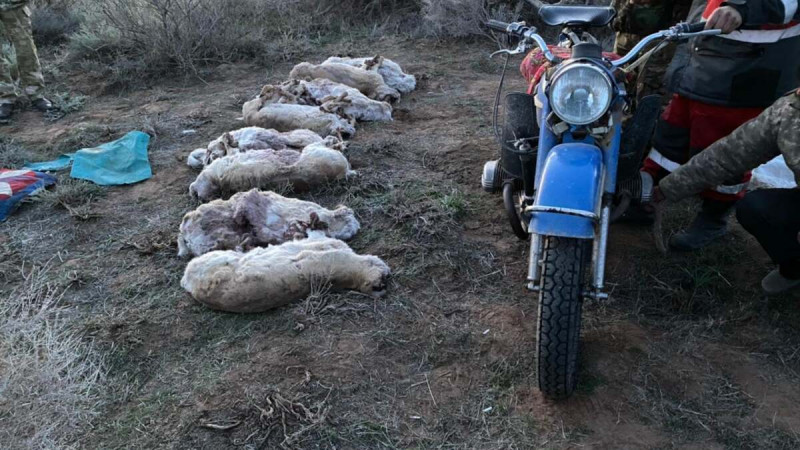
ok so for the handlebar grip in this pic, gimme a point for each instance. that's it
(692, 27)
(497, 25)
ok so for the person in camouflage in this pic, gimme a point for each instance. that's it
(771, 215)
(15, 26)
(638, 18)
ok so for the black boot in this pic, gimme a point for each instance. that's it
(710, 224)
(6, 111)
(42, 104)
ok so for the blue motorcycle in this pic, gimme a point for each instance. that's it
(567, 148)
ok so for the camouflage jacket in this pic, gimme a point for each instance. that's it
(775, 132)
(643, 17)
(7, 5)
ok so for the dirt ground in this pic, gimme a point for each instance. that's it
(687, 353)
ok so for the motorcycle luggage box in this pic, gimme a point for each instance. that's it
(520, 123)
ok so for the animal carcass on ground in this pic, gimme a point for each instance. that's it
(391, 72)
(315, 165)
(340, 99)
(251, 138)
(266, 278)
(265, 112)
(257, 219)
(369, 83)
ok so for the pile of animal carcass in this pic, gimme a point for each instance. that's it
(258, 250)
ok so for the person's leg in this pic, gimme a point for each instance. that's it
(17, 23)
(624, 42)
(772, 216)
(710, 123)
(651, 78)
(670, 142)
(8, 92)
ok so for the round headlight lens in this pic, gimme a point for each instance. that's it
(580, 94)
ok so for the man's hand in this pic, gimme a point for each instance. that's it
(725, 18)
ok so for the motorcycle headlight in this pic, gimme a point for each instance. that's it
(580, 94)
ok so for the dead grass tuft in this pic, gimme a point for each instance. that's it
(52, 381)
(76, 196)
(12, 154)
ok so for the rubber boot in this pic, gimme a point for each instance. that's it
(775, 283)
(710, 224)
(42, 104)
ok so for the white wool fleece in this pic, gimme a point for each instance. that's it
(266, 278)
(257, 219)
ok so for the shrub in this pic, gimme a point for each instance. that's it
(54, 25)
(133, 40)
(157, 37)
(461, 18)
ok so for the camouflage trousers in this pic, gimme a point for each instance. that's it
(650, 77)
(15, 26)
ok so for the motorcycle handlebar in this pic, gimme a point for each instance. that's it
(497, 25)
(692, 27)
(681, 31)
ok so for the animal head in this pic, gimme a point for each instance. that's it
(299, 90)
(335, 143)
(222, 146)
(196, 158)
(375, 279)
(277, 94)
(387, 94)
(302, 71)
(336, 105)
(204, 189)
(344, 222)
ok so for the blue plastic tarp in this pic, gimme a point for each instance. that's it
(123, 161)
(61, 163)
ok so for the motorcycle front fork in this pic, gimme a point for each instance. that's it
(599, 252)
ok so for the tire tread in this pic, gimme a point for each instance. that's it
(560, 302)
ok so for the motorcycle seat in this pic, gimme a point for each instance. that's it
(592, 16)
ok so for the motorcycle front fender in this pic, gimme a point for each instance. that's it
(568, 198)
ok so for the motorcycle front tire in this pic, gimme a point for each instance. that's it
(559, 325)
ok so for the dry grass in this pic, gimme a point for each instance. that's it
(51, 383)
(13, 155)
(76, 196)
(127, 40)
(460, 18)
(128, 43)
